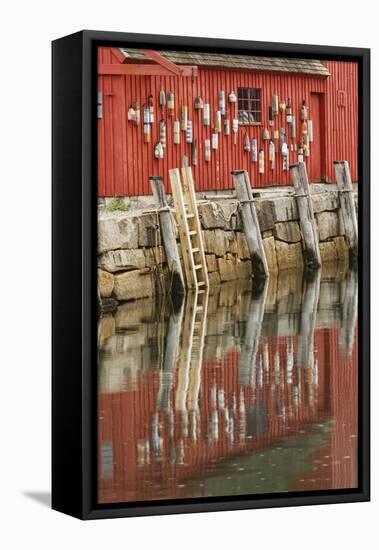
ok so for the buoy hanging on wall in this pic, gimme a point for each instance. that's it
(162, 98)
(189, 132)
(300, 152)
(276, 140)
(304, 110)
(146, 133)
(275, 104)
(150, 102)
(261, 161)
(272, 155)
(226, 127)
(137, 116)
(131, 114)
(214, 141)
(304, 128)
(293, 127)
(282, 106)
(206, 115)
(265, 134)
(170, 103)
(282, 136)
(306, 147)
(146, 115)
(232, 97)
(176, 132)
(235, 129)
(158, 150)
(198, 105)
(194, 152)
(310, 130)
(221, 102)
(217, 127)
(183, 117)
(246, 143)
(270, 116)
(288, 106)
(254, 150)
(207, 150)
(162, 132)
(285, 155)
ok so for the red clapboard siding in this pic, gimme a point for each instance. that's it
(125, 162)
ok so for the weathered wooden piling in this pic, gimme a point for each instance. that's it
(250, 223)
(304, 203)
(349, 215)
(168, 235)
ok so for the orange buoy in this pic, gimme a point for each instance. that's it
(184, 117)
(217, 127)
(246, 143)
(146, 133)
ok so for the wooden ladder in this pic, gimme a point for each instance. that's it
(190, 233)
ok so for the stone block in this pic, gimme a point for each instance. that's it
(325, 201)
(122, 260)
(288, 255)
(148, 230)
(211, 262)
(328, 225)
(283, 209)
(243, 269)
(341, 249)
(227, 269)
(265, 214)
(230, 242)
(328, 251)
(105, 282)
(132, 285)
(214, 242)
(117, 232)
(107, 327)
(214, 278)
(287, 231)
(270, 251)
(242, 248)
(211, 215)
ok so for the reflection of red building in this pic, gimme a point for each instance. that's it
(146, 448)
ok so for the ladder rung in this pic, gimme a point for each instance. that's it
(201, 283)
(196, 250)
(190, 215)
(198, 266)
(199, 308)
(201, 291)
(193, 232)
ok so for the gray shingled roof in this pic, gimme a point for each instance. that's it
(245, 62)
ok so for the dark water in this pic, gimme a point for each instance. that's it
(237, 392)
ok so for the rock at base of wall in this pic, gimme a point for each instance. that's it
(287, 231)
(117, 232)
(214, 278)
(328, 251)
(242, 248)
(211, 216)
(270, 251)
(325, 201)
(341, 249)
(105, 281)
(211, 262)
(328, 225)
(149, 230)
(214, 242)
(244, 269)
(288, 255)
(121, 260)
(132, 285)
(227, 269)
(283, 209)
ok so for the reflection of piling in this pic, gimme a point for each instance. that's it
(250, 223)
(349, 215)
(168, 236)
(308, 320)
(349, 313)
(249, 349)
(307, 220)
(170, 359)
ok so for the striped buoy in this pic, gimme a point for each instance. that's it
(146, 133)
(246, 143)
(217, 127)
(184, 117)
(235, 125)
(254, 150)
(206, 115)
(261, 161)
(221, 102)
(146, 115)
(162, 132)
(189, 132)
(150, 102)
(162, 98)
(176, 132)
(289, 106)
(275, 104)
(214, 141)
(272, 155)
(207, 150)
(170, 103)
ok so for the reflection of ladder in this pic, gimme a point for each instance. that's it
(191, 353)
(189, 228)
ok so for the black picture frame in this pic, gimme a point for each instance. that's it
(74, 275)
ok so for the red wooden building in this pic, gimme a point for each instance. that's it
(131, 79)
